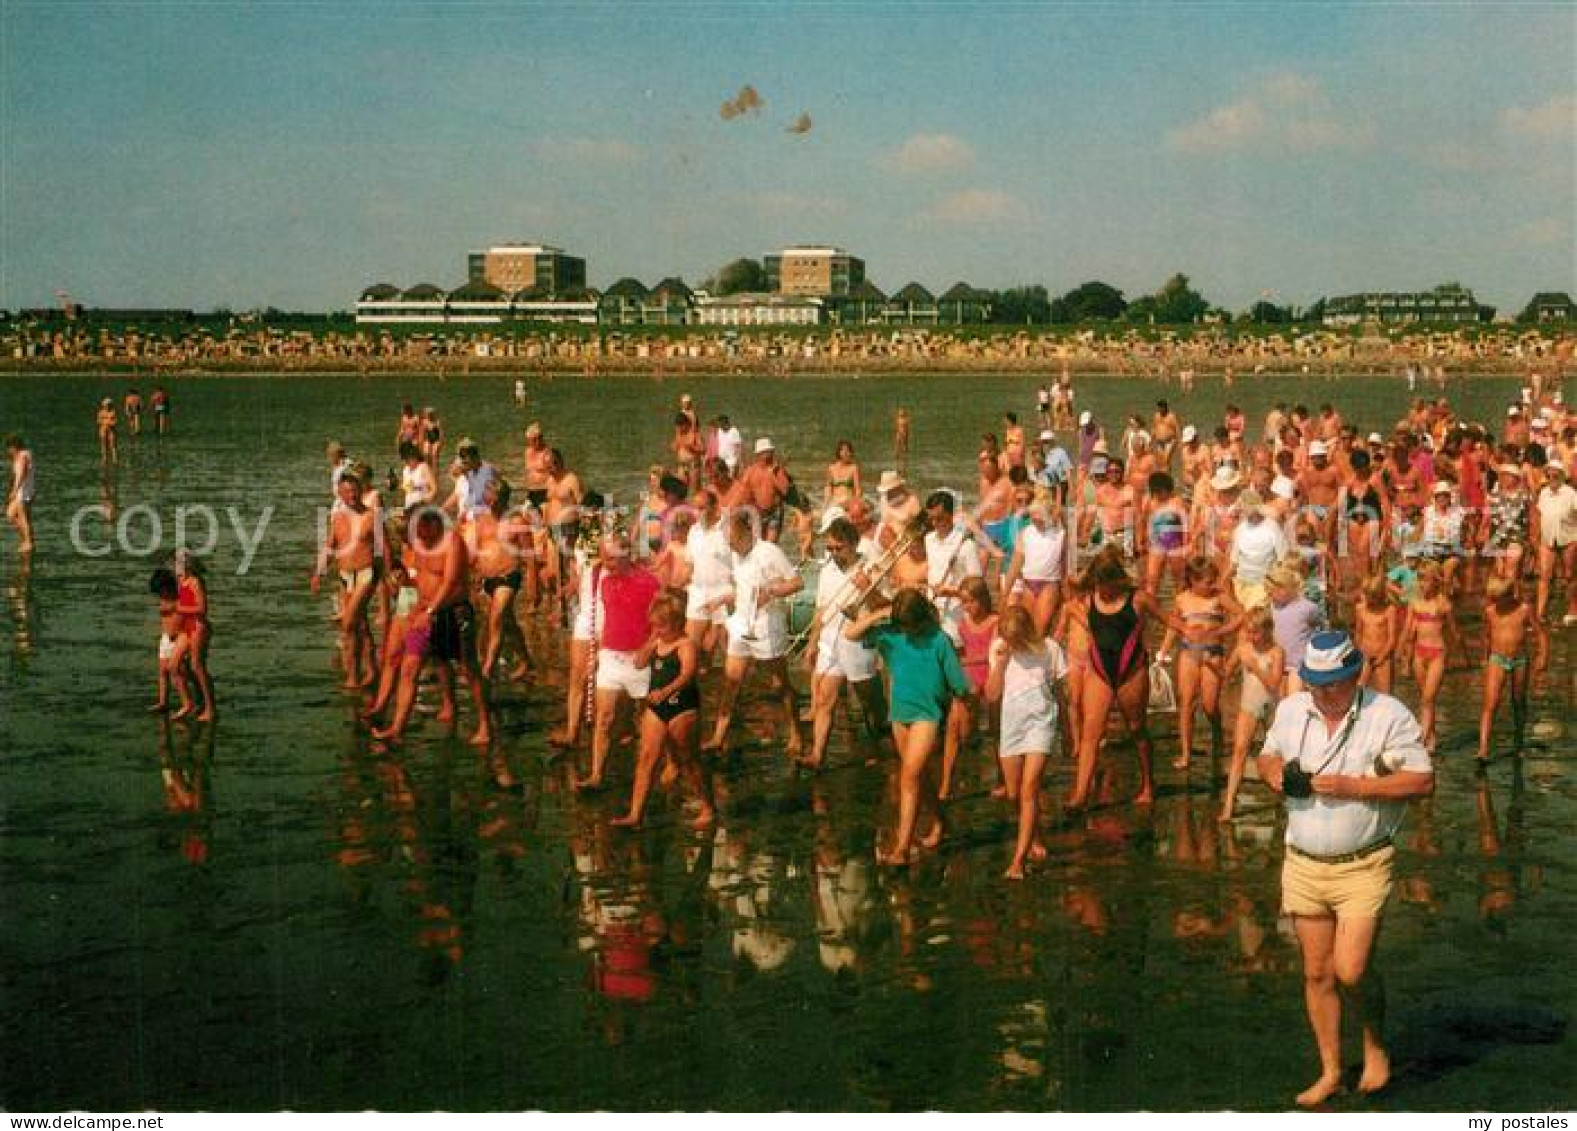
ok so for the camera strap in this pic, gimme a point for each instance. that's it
(1341, 741)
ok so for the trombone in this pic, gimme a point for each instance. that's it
(864, 580)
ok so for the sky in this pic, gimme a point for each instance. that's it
(288, 154)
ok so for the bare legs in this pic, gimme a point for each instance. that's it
(1022, 777)
(1335, 961)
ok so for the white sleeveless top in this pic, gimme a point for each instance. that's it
(1043, 552)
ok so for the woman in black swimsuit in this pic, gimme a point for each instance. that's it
(1118, 670)
(673, 711)
(1365, 512)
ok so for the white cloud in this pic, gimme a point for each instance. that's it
(586, 151)
(793, 205)
(976, 207)
(1552, 120)
(929, 153)
(1286, 112)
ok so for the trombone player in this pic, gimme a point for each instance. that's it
(845, 584)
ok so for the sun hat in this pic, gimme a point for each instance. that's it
(1330, 657)
(1047, 435)
(1376, 438)
(1190, 433)
(1086, 418)
(829, 516)
(891, 481)
(764, 444)
(1225, 478)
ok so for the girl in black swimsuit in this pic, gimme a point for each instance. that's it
(673, 711)
(1118, 670)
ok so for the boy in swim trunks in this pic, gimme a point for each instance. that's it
(1507, 617)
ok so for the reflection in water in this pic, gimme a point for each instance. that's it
(186, 755)
(22, 609)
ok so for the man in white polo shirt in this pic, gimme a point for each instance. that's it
(1347, 759)
(1555, 518)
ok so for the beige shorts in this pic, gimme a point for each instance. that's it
(1357, 889)
(1250, 594)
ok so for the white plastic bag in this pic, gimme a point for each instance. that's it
(1163, 696)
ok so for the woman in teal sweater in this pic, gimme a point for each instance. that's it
(926, 678)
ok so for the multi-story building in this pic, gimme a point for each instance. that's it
(513, 268)
(815, 272)
(759, 310)
(1449, 302)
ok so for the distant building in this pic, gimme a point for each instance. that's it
(476, 303)
(862, 304)
(1550, 306)
(1448, 303)
(912, 305)
(759, 310)
(815, 272)
(516, 267)
(628, 303)
(963, 305)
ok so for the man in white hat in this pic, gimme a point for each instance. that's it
(1440, 528)
(1346, 759)
(1216, 514)
(1195, 461)
(898, 506)
(1055, 469)
(765, 485)
(1320, 485)
(1555, 530)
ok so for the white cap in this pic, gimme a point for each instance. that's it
(764, 444)
(829, 516)
(1046, 435)
(1190, 433)
(1540, 423)
(1441, 487)
(1513, 410)
(1318, 448)
(1085, 418)
(1376, 438)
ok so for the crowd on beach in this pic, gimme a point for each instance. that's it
(458, 349)
(1100, 574)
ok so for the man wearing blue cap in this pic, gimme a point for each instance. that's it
(1347, 759)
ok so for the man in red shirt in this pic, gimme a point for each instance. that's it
(623, 593)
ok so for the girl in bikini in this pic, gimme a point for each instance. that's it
(1165, 531)
(1427, 635)
(843, 477)
(1200, 625)
(1116, 617)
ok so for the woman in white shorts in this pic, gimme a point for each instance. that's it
(1027, 671)
(583, 632)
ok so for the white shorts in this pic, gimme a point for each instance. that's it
(698, 597)
(616, 671)
(854, 662)
(769, 647)
(166, 647)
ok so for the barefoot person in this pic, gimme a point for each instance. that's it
(19, 499)
(1508, 619)
(622, 592)
(835, 660)
(926, 678)
(442, 626)
(351, 545)
(672, 715)
(757, 627)
(1359, 756)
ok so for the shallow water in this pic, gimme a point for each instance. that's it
(326, 926)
